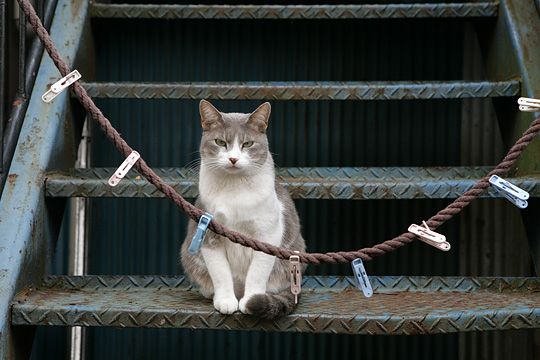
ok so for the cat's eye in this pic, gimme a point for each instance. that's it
(247, 144)
(221, 142)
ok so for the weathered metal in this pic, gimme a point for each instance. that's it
(20, 105)
(376, 11)
(21, 83)
(302, 183)
(305, 90)
(511, 49)
(2, 80)
(28, 228)
(400, 305)
(78, 240)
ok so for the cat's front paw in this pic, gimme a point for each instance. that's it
(242, 305)
(226, 304)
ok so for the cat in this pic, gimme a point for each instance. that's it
(237, 184)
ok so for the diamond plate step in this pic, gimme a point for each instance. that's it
(306, 90)
(400, 305)
(375, 11)
(302, 183)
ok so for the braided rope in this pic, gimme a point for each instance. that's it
(195, 213)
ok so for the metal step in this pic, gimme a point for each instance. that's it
(400, 305)
(305, 90)
(376, 11)
(302, 183)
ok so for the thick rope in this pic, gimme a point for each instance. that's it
(194, 213)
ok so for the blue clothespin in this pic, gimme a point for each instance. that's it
(362, 279)
(198, 238)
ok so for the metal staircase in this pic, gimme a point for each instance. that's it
(42, 176)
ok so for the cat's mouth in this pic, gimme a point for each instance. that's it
(233, 168)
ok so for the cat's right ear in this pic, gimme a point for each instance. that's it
(210, 116)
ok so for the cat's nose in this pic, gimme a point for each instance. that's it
(233, 160)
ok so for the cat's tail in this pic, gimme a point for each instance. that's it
(271, 306)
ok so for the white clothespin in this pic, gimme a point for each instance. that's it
(362, 280)
(430, 237)
(510, 191)
(529, 104)
(60, 85)
(296, 276)
(124, 168)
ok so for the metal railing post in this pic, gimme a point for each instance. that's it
(2, 78)
(78, 240)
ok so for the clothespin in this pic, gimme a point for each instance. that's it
(510, 191)
(529, 104)
(296, 276)
(429, 236)
(197, 240)
(362, 280)
(60, 85)
(124, 168)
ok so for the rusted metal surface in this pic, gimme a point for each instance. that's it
(29, 228)
(20, 103)
(400, 305)
(305, 90)
(376, 11)
(511, 49)
(302, 183)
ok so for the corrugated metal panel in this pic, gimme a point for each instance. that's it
(137, 236)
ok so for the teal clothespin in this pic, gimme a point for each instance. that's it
(198, 238)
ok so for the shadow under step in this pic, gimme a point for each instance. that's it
(375, 11)
(302, 183)
(305, 90)
(400, 305)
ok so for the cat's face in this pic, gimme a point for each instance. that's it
(234, 143)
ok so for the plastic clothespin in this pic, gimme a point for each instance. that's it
(296, 276)
(124, 168)
(197, 240)
(60, 85)
(362, 280)
(529, 104)
(510, 191)
(429, 236)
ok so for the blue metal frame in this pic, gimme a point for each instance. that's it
(28, 228)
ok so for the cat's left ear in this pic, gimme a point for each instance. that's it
(259, 118)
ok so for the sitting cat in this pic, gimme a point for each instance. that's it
(237, 185)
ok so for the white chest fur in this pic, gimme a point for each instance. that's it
(247, 205)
